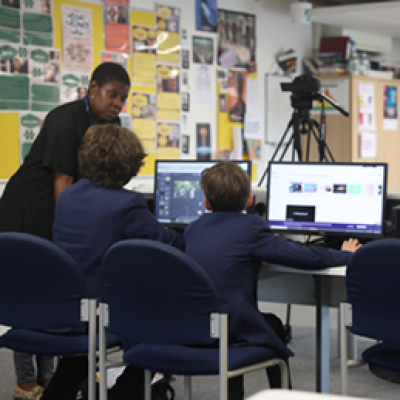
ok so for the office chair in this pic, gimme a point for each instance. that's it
(161, 299)
(43, 296)
(372, 307)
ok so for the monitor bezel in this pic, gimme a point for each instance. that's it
(182, 225)
(321, 232)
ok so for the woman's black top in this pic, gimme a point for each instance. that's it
(27, 204)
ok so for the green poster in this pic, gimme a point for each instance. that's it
(14, 92)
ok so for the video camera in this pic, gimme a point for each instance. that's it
(305, 89)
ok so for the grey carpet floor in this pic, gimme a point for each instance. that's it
(361, 382)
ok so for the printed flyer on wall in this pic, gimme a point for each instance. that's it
(44, 67)
(116, 26)
(37, 22)
(14, 77)
(390, 118)
(168, 140)
(29, 127)
(168, 98)
(74, 86)
(77, 38)
(144, 118)
(168, 38)
(143, 55)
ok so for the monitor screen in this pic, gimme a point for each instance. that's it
(338, 198)
(178, 196)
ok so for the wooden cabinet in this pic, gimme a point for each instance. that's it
(344, 135)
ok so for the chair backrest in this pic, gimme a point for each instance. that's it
(40, 285)
(373, 290)
(157, 294)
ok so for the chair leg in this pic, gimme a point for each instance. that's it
(188, 387)
(343, 349)
(102, 355)
(284, 375)
(223, 358)
(147, 384)
(92, 350)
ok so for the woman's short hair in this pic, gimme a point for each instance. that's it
(109, 72)
(226, 186)
(110, 155)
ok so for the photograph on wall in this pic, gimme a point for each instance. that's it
(14, 77)
(45, 78)
(206, 15)
(74, 86)
(203, 148)
(168, 38)
(254, 149)
(29, 127)
(237, 81)
(237, 32)
(144, 50)
(203, 50)
(185, 101)
(116, 26)
(168, 140)
(77, 38)
(10, 21)
(168, 97)
(222, 103)
(185, 144)
(37, 23)
(185, 59)
(390, 118)
(118, 58)
(143, 118)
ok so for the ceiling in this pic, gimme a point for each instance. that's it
(371, 16)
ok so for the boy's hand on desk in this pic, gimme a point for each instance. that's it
(351, 245)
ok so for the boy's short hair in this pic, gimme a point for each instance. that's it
(226, 186)
(110, 155)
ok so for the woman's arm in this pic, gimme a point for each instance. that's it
(61, 181)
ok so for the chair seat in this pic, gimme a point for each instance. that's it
(36, 342)
(384, 355)
(182, 360)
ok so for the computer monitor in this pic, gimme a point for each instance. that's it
(342, 199)
(178, 196)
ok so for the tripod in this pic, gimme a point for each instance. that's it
(302, 124)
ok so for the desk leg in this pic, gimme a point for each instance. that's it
(323, 323)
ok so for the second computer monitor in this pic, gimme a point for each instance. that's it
(178, 196)
(342, 199)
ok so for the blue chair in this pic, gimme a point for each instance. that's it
(43, 296)
(162, 300)
(372, 307)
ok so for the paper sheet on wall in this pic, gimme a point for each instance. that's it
(74, 85)
(366, 113)
(252, 106)
(29, 127)
(37, 23)
(203, 83)
(253, 126)
(368, 145)
(390, 117)
(77, 38)
(237, 153)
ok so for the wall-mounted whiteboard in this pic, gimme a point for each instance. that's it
(278, 110)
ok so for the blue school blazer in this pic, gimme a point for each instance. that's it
(230, 247)
(89, 219)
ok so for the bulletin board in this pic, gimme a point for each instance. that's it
(10, 152)
(225, 126)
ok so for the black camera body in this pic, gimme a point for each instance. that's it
(305, 89)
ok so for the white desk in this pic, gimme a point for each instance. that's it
(322, 288)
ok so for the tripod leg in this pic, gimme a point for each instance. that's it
(277, 150)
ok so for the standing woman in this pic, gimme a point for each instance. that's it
(28, 201)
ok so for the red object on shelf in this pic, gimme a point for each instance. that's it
(337, 44)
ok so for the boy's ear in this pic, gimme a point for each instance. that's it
(207, 205)
(250, 200)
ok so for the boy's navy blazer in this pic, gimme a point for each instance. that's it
(230, 247)
(89, 219)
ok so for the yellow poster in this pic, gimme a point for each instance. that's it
(168, 96)
(143, 56)
(143, 118)
(168, 40)
(168, 139)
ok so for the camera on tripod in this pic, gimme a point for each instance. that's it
(305, 89)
